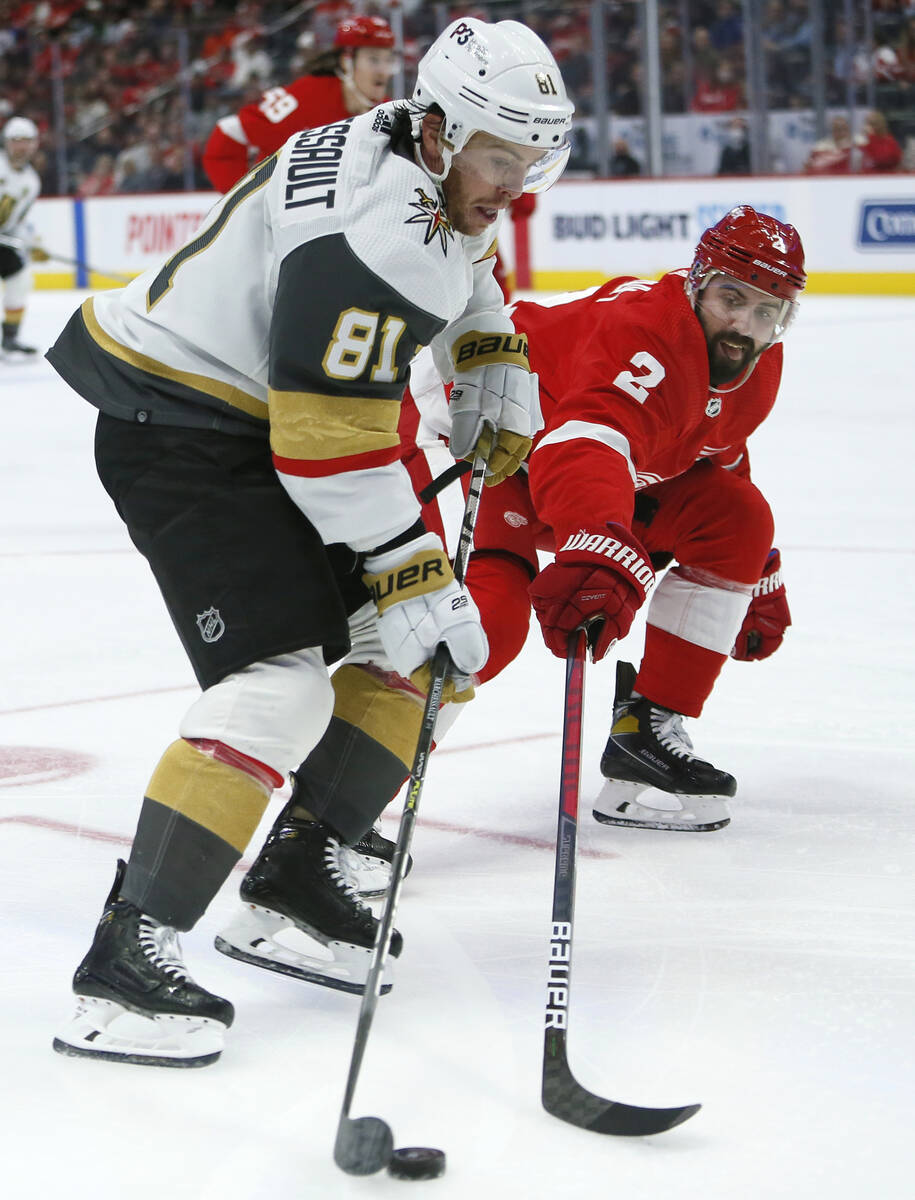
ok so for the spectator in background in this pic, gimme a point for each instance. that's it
(724, 93)
(622, 163)
(128, 181)
(787, 33)
(832, 155)
(735, 149)
(674, 89)
(705, 56)
(905, 53)
(880, 152)
(100, 180)
(252, 63)
(163, 171)
(726, 31)
(626, 99)
(844, 65)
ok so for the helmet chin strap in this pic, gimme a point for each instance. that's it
(741, 379)
(417, 114)
(437, 177)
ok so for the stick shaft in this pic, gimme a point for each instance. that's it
(440, 664)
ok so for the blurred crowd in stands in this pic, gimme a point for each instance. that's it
(126, 95)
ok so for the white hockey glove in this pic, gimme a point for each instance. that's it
(421, 604)
(494, 389)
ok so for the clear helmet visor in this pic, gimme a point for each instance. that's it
(507, 166)
(747, 310)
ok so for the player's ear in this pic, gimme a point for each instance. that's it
(430, 132)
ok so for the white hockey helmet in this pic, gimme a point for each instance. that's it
(20, 129)
(502, 80)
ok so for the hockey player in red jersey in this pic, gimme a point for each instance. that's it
(349, 79)
(645, 461)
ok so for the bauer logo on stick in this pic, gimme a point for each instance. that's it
(558, 985)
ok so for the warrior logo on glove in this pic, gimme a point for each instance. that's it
(614, 549)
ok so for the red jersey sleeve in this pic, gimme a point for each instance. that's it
(224, 160)
(630, 398)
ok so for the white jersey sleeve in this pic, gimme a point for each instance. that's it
(384, 275)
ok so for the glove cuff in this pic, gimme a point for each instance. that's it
(478, 349)
(415, 569)
(772, 580)
(614, 547)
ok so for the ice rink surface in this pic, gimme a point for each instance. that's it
(765, 970)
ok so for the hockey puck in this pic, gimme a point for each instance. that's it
(417, 1162)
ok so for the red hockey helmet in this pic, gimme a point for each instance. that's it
(756, 248)
(364, 31)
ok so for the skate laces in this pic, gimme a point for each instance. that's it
(161, 946)
(340, 864)
(668, 728)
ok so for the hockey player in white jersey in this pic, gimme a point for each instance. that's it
(249, 393)
(19, 188)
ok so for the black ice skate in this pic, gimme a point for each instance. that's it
(300, 892)
(137, 1003)
(649, 750)
(11, 348)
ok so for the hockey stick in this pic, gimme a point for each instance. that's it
(24, 247)
(366, 1144)
(562, 1095)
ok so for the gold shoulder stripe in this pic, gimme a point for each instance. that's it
(491, 252)
(199, 383)
(318, 427)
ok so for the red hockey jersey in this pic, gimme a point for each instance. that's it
(263, 126)
(624, 384)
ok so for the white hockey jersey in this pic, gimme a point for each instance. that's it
(19, 188)
(295, 312)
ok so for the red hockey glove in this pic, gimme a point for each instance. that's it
(767, 617)
(603, 575)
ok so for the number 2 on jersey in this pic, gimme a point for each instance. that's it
(637, 386)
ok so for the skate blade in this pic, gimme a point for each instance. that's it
(618, 804)
(107, 1030)
(252, 937)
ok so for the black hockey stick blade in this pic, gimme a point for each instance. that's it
(561, 1093)
(564, 1097)
(364, 1145)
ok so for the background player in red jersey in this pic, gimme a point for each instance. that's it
(342, 82)
(649, 391)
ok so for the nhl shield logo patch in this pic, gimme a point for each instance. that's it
(713, 408)
(211, 625)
